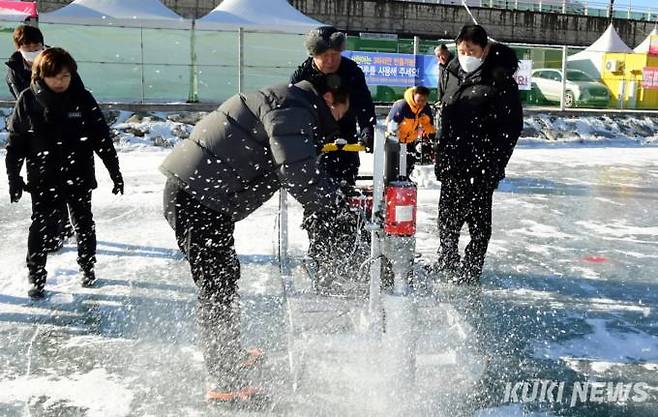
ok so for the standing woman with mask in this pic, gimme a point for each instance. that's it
(56, 128)
(481, 120)
(29, 43)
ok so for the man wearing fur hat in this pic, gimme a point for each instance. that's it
(324, 45)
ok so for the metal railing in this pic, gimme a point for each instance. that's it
(622, 10)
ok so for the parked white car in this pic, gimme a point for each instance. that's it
(581, 89)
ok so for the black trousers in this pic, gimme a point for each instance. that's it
(205, 236)
(48, 214)
(462, 202)
(322, 235)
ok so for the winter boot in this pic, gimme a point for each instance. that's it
(243, 396)
(246, 392)
(446, 272)
(88, 278)
(36, 292)
(37, 280)
(469, 276)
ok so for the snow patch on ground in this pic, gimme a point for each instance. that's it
(618, 229)
(539, 231)
(594, 130)
(603, 344)
(97, 392)
(555, 300)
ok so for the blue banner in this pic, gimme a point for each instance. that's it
(396, 70)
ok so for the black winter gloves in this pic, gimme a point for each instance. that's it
(16, 187)
(117, 179)
(367, 138)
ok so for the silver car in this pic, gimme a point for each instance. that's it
(580, 88)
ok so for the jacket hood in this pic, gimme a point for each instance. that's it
(15, 61)
(308, 87)
(329, 126)
(409, 98)
(501, 60)
(75, 88)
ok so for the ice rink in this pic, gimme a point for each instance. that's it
(569, 293)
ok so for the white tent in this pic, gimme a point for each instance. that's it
(272, 45)
(591, 59)
(142, 13)
(125, 49)
(266, 15)
(643, 47)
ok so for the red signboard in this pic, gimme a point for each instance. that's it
(650, 78)
(27, 8)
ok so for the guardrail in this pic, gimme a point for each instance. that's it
(622, 10)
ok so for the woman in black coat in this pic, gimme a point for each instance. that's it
(481, 121)
(55, 129)
(28, 41)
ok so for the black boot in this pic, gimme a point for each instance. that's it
(447, 270)
(470, 275)
(88, 278)
(36, 292)
(37, 282)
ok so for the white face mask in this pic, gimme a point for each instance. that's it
(30, 56)
(469, 63)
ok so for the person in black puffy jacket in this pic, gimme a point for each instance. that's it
(236, 158)
(55, 129)
(481, 121)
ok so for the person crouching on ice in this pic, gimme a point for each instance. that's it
(236, 158)
(55, 129)
(410, 119)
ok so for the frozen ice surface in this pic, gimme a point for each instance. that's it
(569, 293)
